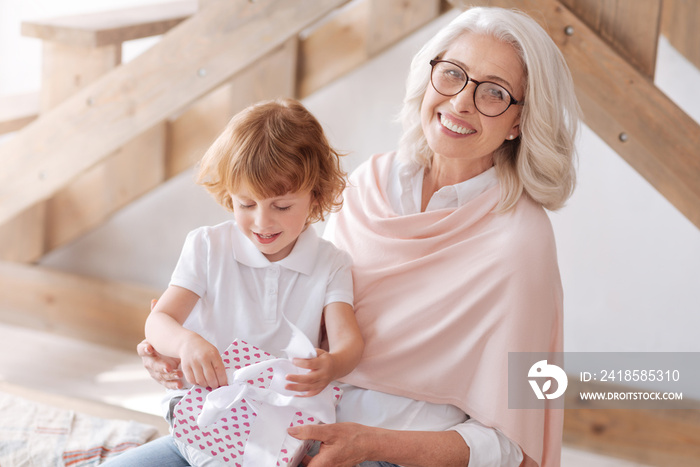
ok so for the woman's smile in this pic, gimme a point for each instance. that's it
(455, 127)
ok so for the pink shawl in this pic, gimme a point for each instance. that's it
(443, 296)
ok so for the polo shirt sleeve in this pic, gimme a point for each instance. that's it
(191, 270)
(339, 288)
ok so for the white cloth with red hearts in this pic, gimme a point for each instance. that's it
(246, 422)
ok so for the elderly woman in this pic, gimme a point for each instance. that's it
(454, 256)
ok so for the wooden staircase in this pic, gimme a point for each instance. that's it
(50, 196)
(107, 133)
(101, 133)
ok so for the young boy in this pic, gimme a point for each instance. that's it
(274, 169)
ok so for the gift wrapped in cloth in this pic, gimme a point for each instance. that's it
(245, 423)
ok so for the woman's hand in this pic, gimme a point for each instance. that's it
(165, 370)
(347, 444)
(342, 444)
(322, 372)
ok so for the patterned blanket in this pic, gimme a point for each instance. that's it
(33, 434)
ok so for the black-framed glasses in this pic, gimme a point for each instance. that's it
(490, 99)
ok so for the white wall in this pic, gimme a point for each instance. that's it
(630, 261)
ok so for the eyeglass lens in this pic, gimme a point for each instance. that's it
(490, 99)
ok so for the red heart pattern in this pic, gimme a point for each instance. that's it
(231, 446)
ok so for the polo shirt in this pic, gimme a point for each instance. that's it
(243, 295)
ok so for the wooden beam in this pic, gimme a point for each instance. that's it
(333, 48)
(205, 3)
(89, 200)
(193, 131)
(355, 34)
(624, 107)
(650, 437)
(96, 194)
(679, 23)
(80, 132)
(630, 27)
(94, 310)
(391, 20)
(22, 238)
(111, 27)
(66, 69)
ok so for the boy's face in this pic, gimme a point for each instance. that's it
(272, 224)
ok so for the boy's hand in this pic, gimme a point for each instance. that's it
(322, 373)
(201, 363)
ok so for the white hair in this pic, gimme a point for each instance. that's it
(541, 161)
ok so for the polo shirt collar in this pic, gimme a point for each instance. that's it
(301, 259)
(303, 256)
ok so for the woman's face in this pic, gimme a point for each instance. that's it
(484, 58)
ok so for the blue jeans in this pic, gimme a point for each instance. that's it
(161, 452)
(314, 450)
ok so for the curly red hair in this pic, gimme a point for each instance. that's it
(273, 148)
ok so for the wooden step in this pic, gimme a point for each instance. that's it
(111, 27)
(17, 111)
(94, 310)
